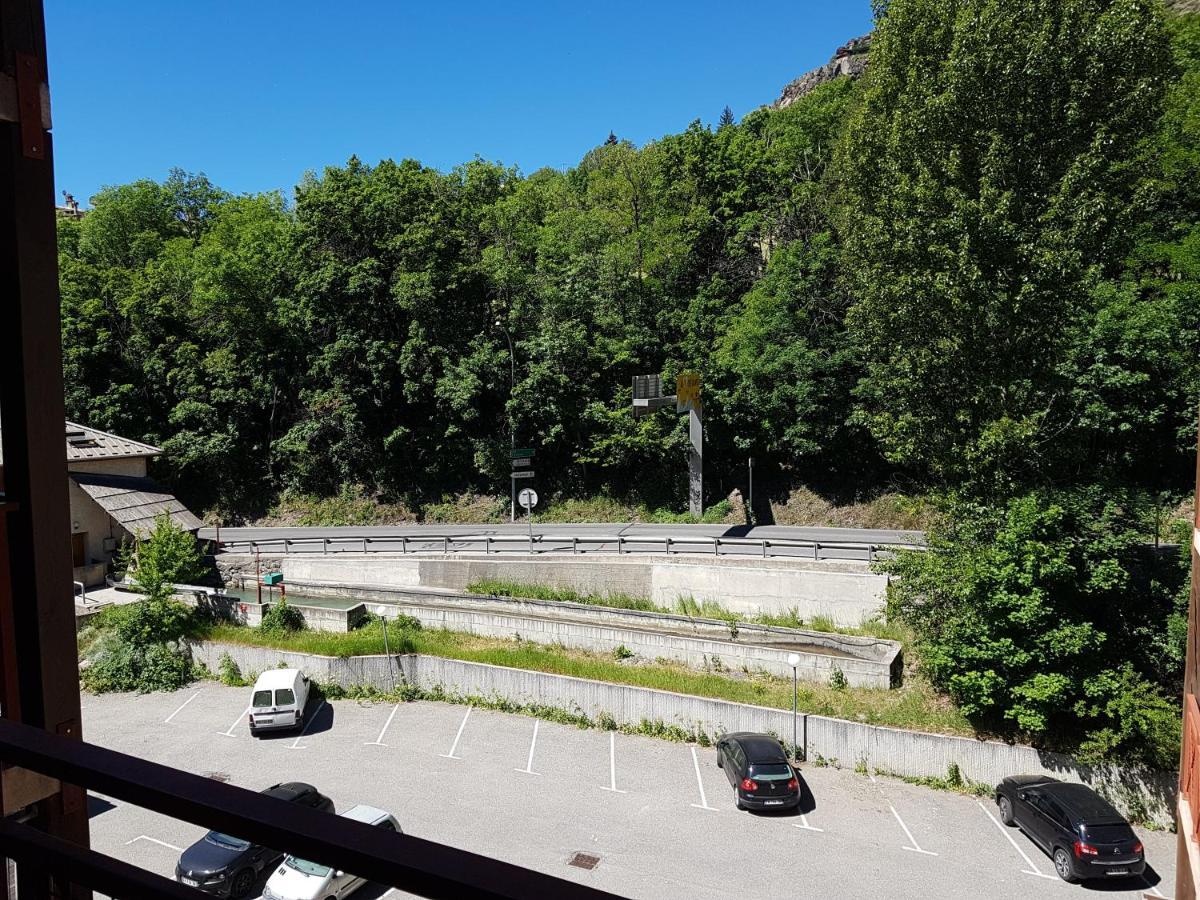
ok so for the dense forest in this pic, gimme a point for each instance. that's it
(975, 272)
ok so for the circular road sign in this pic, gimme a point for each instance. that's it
(527, 498)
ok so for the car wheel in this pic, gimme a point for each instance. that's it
(242, 883)
(1006, 813)
(1062, 865)
(720, 762)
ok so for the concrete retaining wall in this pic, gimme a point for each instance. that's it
(836, 741)
(847, 592)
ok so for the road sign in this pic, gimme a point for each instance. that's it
(522, 462)
(528, 498)
(687, 392)
(521, 453)
(524, 473)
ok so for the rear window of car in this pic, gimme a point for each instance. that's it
(771, 771)
(261, 699)
(1112, 833)
(285, 697)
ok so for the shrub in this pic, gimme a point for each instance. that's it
(229, 673)
(282, 618)
(622, 652)
(837, 679)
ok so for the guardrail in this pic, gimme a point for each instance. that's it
(576, 544)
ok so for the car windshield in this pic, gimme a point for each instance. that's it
(224, 840)
(308, 868)
(284, 697)
(771, 772)
(262, 699)
(1110, 833)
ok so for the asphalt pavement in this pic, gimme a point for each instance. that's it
(659, 816)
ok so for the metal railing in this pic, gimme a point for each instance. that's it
(575, 544)
(408, 863)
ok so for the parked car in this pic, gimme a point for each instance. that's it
(299, 879)
(1079, 830)
(757, 766)
(228, 866)
(278, 700)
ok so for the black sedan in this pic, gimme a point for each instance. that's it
(228, 866)
(758, 768)
(1079, 830)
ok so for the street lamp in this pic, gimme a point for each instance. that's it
(382, 612)
(512, 433)
(794, 661)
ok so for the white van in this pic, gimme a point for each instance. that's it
(299, 879)
(278, 700)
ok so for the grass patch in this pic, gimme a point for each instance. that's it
(498, 588)
(953, 780)
(913, 706)
(689, 606)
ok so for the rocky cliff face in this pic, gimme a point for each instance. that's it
(850, 61)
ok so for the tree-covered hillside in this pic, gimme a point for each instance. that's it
(975, 271)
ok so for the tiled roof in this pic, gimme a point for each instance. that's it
(134, 502)
(90, 443)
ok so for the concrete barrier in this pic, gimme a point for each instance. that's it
(1143, 794)
(845, 591)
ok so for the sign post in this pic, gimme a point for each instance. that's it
(522, 462)
(529, 499)
(648, 397)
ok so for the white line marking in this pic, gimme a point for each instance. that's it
(457, 737)
(236, 723)
(295, 745)
(528, 770)
(804, 824)
(703, 804)
(379, 740)
(167, 720)
(1154, 890)
(612, 764)
(915, 848)
(142, 837)
(1033, 869)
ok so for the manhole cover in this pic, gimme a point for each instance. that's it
(217, 776)
(584, 861)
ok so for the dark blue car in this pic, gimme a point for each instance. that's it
(228, 866)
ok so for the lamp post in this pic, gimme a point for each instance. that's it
(794, 661)
(382, 612)
(512, 432)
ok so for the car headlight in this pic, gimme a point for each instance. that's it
(215, 877)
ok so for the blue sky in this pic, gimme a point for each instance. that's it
(256, 93)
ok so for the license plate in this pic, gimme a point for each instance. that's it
(1118, 871)
(774, 802)
(261, 721)
(190, 882)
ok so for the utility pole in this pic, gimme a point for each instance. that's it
(751, 468)
(512, 431)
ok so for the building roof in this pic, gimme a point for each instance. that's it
(85, 443)
(134, 503)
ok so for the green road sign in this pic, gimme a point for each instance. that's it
(524, 453)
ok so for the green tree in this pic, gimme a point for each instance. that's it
(990, 178)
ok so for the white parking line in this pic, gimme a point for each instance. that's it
(1033, 869)
(703, 804)
(295, 745)
(142, 837)
(803, 823)
(915, 847)
(612, 765)
(458, 736)
(528, 770)
(1153, 890)
(167, 720)
(379, 740)
(236, 723)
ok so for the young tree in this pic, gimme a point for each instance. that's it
(726, 117)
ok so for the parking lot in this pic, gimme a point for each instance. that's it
(659, 816)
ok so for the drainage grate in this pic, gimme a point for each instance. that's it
(217, 776)
(584, 861)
